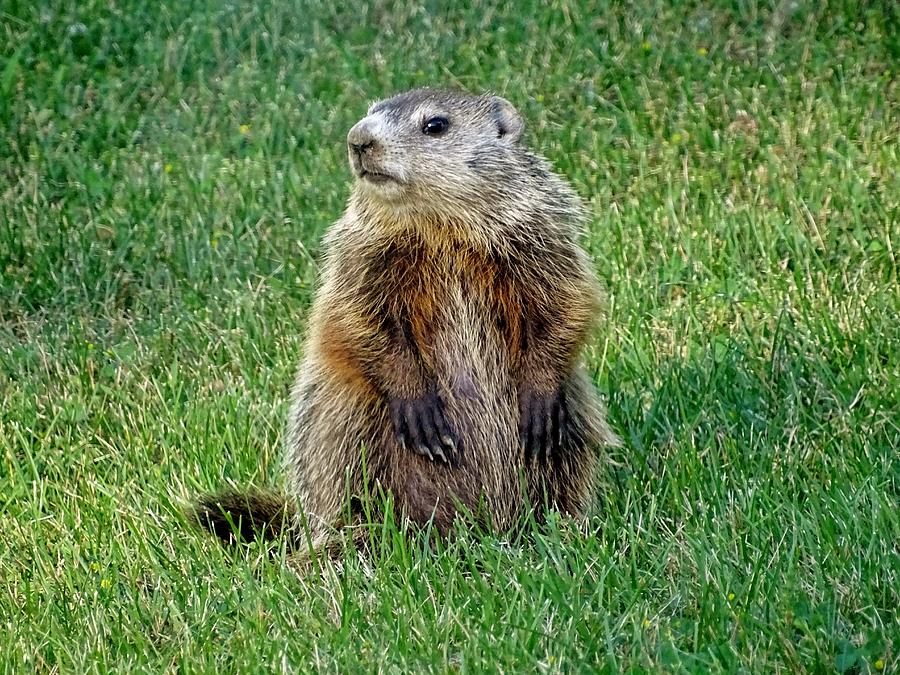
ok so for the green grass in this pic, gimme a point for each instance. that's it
(165, 176)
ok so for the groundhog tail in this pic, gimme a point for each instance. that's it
(244, 516)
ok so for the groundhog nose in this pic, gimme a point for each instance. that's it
(360, 137)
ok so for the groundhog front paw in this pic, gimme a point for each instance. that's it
(421, 426)
(542, 423)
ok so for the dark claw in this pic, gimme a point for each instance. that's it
(542, 424)
(415, 433)
(444, 438)
(439, 453)
(421, 426)
(399, 420)
(443, 429)
(553, 427)
(559, 421)
(537, 429)
(429, 428)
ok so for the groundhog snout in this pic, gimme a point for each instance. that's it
(361, 140)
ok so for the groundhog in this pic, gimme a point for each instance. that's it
(442, 359)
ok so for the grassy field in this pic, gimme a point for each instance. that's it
(166, 174)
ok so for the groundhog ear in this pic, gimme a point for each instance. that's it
(509, 122)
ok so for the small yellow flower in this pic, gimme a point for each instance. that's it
(646, 624)
(539, 98)
(676, 138)
(244, 129)
(95, 567)
(168, 168)
(646, 46)
(105, 583)
(731, 597)
(879, 664)
(702, 51)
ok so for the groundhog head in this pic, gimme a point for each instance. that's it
(435, 149)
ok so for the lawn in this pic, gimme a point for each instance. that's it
(166, 174)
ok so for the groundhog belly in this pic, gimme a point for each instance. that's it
(471, 364)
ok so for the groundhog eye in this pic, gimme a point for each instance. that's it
(435, 125)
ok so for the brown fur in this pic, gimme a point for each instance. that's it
(455, 293)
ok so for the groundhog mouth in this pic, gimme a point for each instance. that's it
(375, 176)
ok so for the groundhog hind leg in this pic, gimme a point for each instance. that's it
(332, 449)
